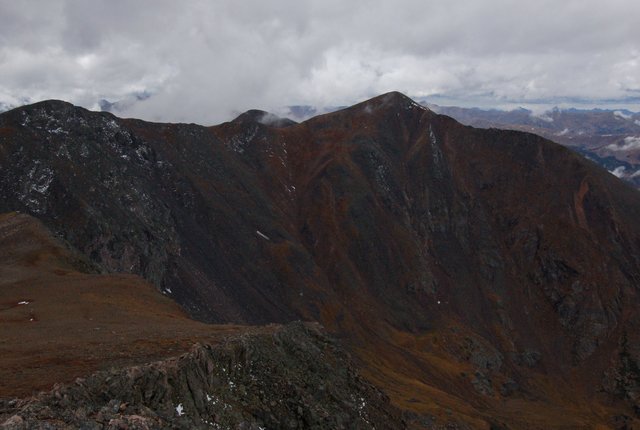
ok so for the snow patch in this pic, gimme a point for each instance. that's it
(563, 132)
(262, 235)
(239, 142)
(40, 177)
(113, 125)
(25, 119)
(84, 150)
(417, 105)
(437, 156)
(618, 171)
(43, 181)
(35, 187)
(24, 302)
(58, 130)
(362, 405)
(179, 410)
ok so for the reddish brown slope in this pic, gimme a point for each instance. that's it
(58, 323)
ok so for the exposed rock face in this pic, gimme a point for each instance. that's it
(388, 223)
(296, 378)
(71, 167)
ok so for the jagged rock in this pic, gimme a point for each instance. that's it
(529, 358)
(482, 383)
(295, 378)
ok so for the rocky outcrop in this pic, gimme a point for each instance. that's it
(69, 166)
(295, 378)
(622, 378)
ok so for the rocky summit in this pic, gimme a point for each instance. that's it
(481, 278)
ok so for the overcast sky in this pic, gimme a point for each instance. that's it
(204, 61)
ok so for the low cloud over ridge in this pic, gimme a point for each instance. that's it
(206, 61)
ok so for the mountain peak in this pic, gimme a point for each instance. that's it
(52, 104)
(263, 117)
(392, 100)
(394, 97)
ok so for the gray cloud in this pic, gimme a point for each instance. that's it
(204, 61)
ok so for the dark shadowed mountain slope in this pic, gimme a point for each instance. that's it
(483, 277)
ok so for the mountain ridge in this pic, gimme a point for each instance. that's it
(457, 263)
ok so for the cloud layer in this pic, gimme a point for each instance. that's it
(631, 143)
(203, 61)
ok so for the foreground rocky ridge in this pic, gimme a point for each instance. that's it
(295, 378)
(60, 322)
(483, 277)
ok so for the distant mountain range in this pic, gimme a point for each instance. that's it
(481, 278)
